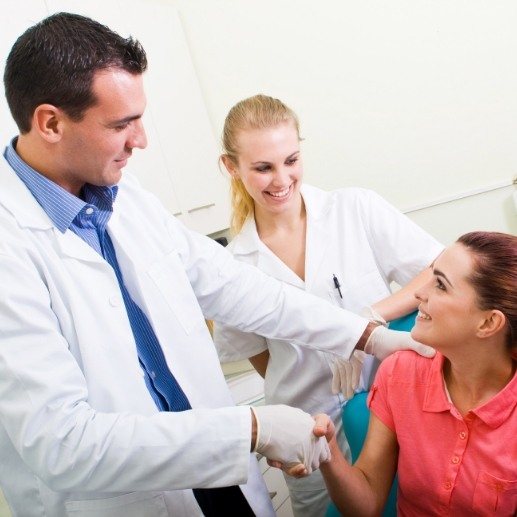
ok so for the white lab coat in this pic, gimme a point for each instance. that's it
(351, 233)
(79, 431)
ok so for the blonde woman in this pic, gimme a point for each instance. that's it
(345, 246)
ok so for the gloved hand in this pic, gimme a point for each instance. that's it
(383, 342)
(285, 435)
(346, 374)
(371, 314)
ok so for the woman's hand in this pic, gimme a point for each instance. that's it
(324, 426)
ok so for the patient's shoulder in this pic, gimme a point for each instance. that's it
(405, 366)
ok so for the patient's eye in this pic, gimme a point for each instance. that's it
(291, 161)
(440, 285)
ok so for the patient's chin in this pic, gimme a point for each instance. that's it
(420, 336)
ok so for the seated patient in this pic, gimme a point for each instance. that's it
(446, 424)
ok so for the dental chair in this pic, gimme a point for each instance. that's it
(356, 416)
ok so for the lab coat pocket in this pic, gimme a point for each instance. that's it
(363, 291)
(168, 275)
(358, 293)
(494, 496)
(135, 504)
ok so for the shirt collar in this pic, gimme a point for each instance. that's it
(247, 240)
(60, 205)
(493, 413)
(435, 399)
(317, 202)
(101, 197)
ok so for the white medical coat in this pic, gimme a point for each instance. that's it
(79, 431)
(367, 243)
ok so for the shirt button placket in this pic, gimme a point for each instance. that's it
(455, 460)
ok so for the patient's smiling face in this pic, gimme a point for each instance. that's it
(448, 311)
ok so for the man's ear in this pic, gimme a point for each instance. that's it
(47, 121)
(229, 165)
(493, 323)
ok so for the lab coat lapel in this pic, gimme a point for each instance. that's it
(128, 259)
(317, 204)
(272, 265)
(71, 245)
(134, 258)
(18, 200)
(248, 242)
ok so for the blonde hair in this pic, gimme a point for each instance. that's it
(257, 112)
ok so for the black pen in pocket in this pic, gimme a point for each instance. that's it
(337, 285)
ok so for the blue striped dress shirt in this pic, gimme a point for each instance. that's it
(88, 218)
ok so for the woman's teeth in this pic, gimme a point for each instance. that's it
(423, 315)
(280, 193)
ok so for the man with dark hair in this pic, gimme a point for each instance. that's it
(112, 401)
(54, 60)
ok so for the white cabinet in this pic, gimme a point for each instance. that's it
(180, 164)
(179, 115)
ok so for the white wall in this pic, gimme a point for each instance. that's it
(416, 99)
(491, 211)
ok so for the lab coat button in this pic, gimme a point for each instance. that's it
(463, 435)
(115, 300)
(455, 460)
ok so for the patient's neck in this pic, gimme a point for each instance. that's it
(472, 379)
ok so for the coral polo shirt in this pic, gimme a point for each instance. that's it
(448, 464)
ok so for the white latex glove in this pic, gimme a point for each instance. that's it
(371, 314)
(383, 342)
(285, 434)
(346, 374)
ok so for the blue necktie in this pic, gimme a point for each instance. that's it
(167, 393)
(163, 386)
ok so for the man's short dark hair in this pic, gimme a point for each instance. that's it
(55, 61)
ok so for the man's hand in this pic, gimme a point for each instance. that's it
(382, 342)
(346, 374)
(285, 436)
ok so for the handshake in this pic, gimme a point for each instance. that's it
(285, 436)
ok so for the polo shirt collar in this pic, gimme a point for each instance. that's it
(493, 413)
(435, 399)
